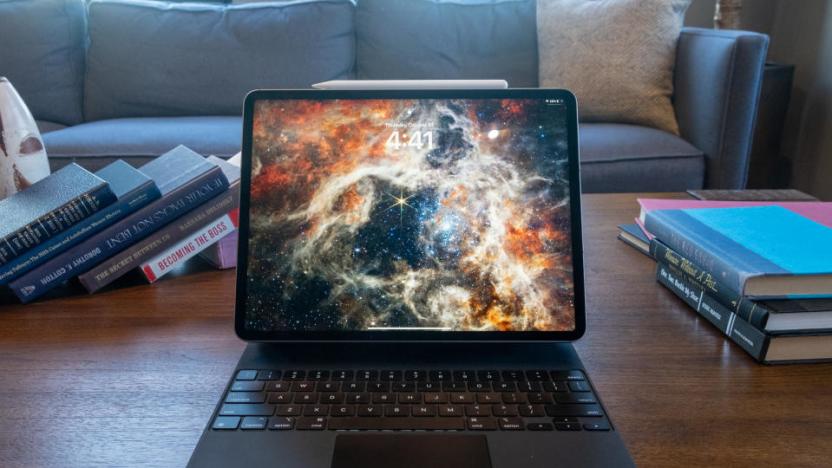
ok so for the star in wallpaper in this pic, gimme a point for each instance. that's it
(377, 214)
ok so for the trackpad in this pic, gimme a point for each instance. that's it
(411, 451)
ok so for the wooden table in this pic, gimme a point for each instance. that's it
(129, 377)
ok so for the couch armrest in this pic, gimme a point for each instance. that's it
(717, 87)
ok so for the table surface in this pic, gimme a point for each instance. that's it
(130, 376)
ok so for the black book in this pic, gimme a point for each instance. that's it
(789, 316)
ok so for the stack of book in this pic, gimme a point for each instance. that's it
(761, 272)
(97, 227)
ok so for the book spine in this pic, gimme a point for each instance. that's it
(748, 310)
(190, 246)
(54, 222)
(118, 265)
(750, 339)
(78, 233)
(695, 246)
(119, 236)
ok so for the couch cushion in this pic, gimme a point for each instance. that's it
(45, 126)
(630, 158)
(163, 59)
(447, 39)
(42, 54)
(138, 140)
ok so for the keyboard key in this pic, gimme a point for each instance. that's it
(394, 424)
(428, 386)
(342, 410)
(482, 424)
(488, 375)
(574, 410)
(246, 410)
(364, 387)
(439, 375)
(510, 424)
(342, 375)
(247, 386)
(554, 386)
(478, 410)
(579, 386)
(332, 398)
(245, 397)
(529, 386)
(565, 419)
(328, 387)
(450, 410)
(410, 398)
(226, 423)
(423, 410)
(514, 375)
(384, 398)
(568, 375)
(514, 397)
(317, 375)
(268, 375)
(390, 376)
(504, 410)
(404, 387)
(454, 386)
(415, 375)
(278, 386)
(539, 397)
(464, 376)
(436, 397)
(311, 424)
(283, 397)
(246, 375)
(489, 397)
(357, 398)
(396, 411)
(288, 410)
(505, 386)
(462, 397)
(302, 386)
(366, 375)
(573, 398)
(567, 426)
(294, 375)
(539, 427)
(370, 411)
(479, 386)
(531, 411)
(537, 375)
(280, 423)
(306, 397)
(254, 423)
(315, 410)
(597, 426)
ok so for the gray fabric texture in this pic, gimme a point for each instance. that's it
(718, 79)
(617, 56)
(632, 158)
(139, 140)
(45, 126)
(42, 54)
(161, 59)
(447, 39)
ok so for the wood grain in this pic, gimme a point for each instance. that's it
(129, 376)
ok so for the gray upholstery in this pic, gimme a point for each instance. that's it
(159, 59)
(718, 78)
(42, 54)
(138, 140)
(424, 39)
(631, 158)
(45, 126)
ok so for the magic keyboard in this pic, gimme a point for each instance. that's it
(474, 400)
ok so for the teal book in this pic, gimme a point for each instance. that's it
(132, 189)
(762, 252)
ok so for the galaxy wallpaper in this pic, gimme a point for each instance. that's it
(414, 214)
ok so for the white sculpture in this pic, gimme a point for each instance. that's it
(23, 159)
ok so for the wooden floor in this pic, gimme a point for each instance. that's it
(129, 376)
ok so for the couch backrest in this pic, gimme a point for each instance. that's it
(447, 39)
(42, 54)
(162, 59)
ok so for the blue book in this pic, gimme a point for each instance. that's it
(132, 189)
(185, 180)
(50, 206)
(763, 252)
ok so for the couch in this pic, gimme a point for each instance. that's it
(131, 79)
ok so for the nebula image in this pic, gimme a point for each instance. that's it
(413, 214)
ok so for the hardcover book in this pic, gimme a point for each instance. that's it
(49, 207)
(190, 246)
(185, 180)
(633, 236)
(223, 254)
(132, 257)
(773, 317)
(132, 190)
(762, 347)
(760, 252)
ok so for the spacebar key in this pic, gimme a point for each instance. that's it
(397, 424)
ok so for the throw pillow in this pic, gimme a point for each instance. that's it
(617, 56)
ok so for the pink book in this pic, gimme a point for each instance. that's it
(819, 212)
(223, 254)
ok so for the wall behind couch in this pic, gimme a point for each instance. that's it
(801, 35)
